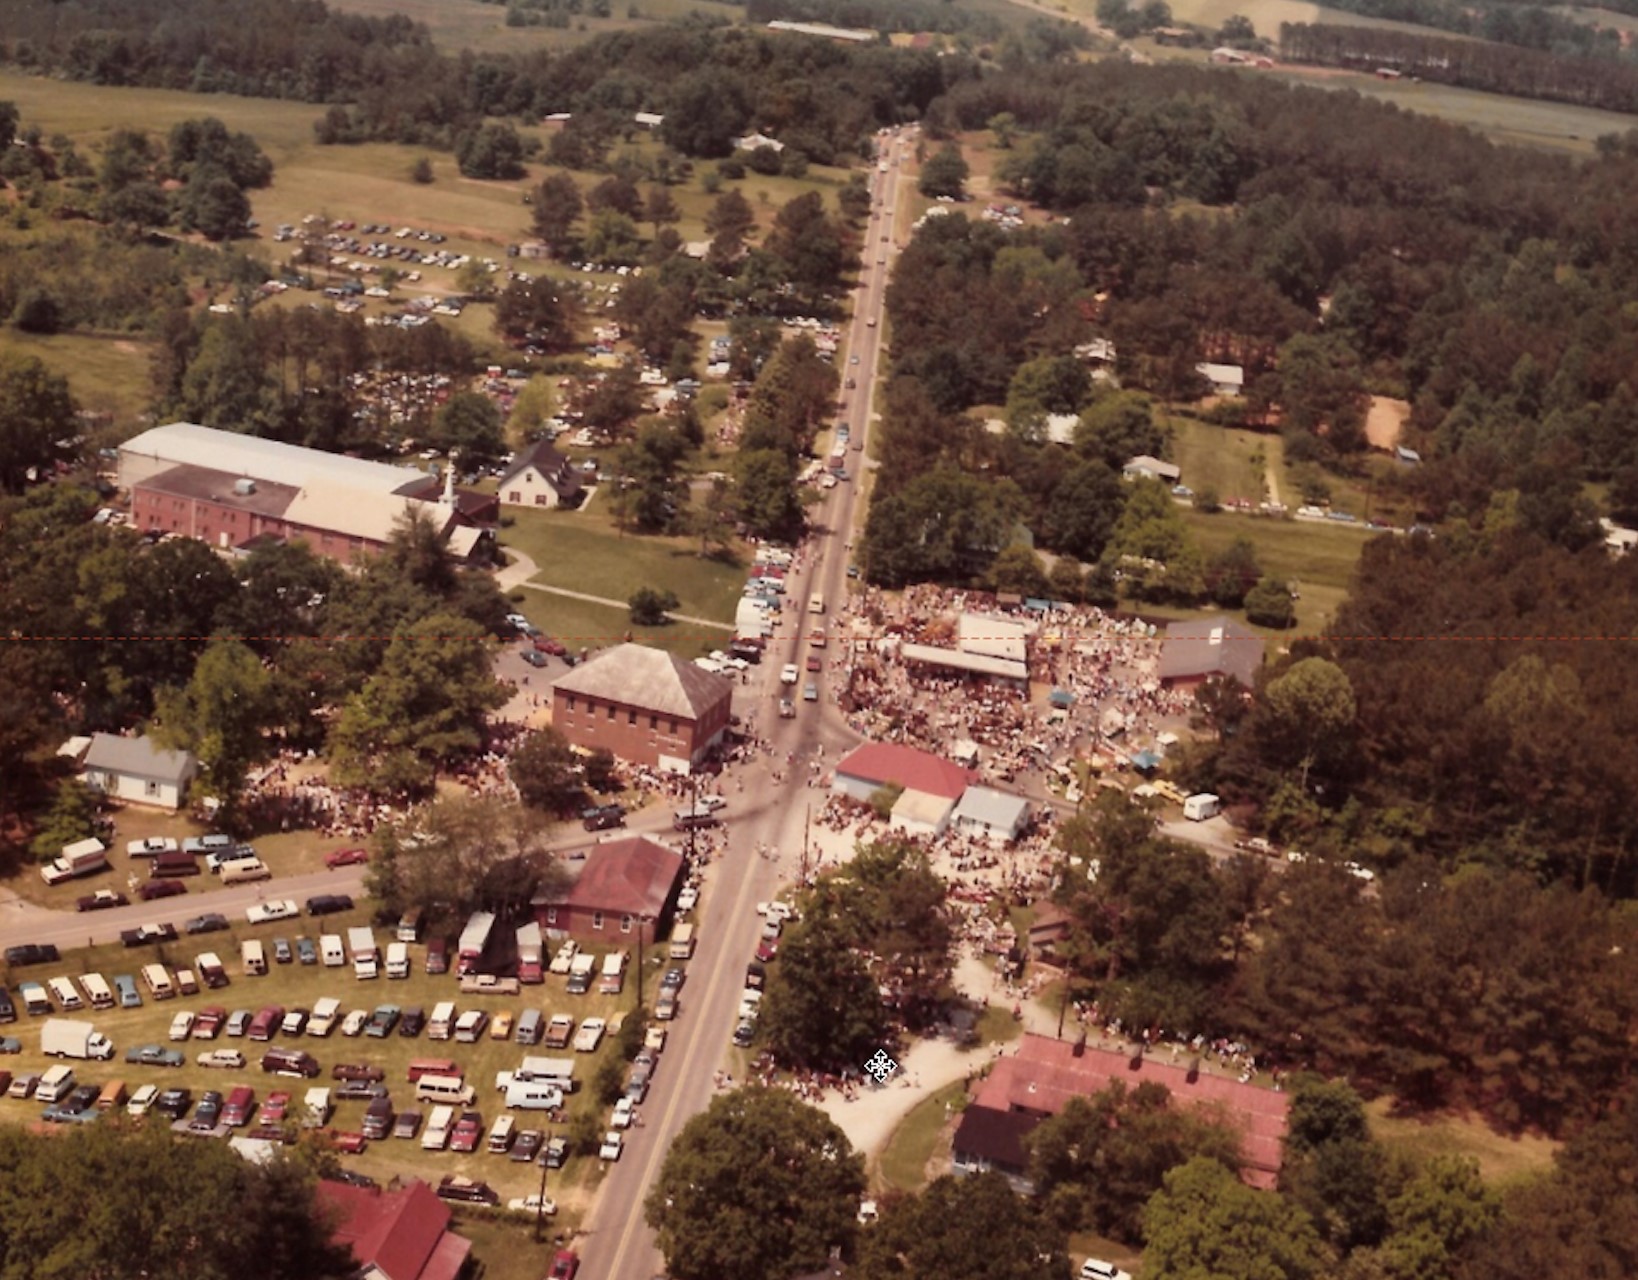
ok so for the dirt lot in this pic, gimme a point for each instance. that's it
(1385, 421)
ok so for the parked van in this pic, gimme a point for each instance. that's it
(1198, 808)
(528, 1028)
(211, 969)
(126, 987)
(65, 993)
(316, 1108)
(98, 991)
(534, 1095)
(500, 1135)
(442, 1022)
(614, 974)
(558, 1071)
(325, 1013)
(432, 1067)
(241, 1102)
(378, 1118)
(56, 1084)
(409, 925)
(158, 981)
(245, 870)
(469, 1026)
(331, 950)
(435, 1137)
(682, 942)
(113, 1095)
(446, 1089)
(397, 960)
(167, 866)
(254, 956)
(34, 998)
(141, 1100)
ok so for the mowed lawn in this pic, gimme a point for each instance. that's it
(1502, 1159)
(1220, 458)
(581, 551)
(903, 1164)
(295, 985)
(106, 374)
(580, 624)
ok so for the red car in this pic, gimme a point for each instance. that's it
(346, 858)
(160, 889)
(467, 1132)
(766, 950)
(351, 1144)
(565, 1265)
(545, 644)
(276, 1106)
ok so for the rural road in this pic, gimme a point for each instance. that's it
(617, 1243)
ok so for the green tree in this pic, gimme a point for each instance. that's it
(421, 172)
(1081, 514)
(1044, 386)
(72, 816)
(651, 608)
(1305, 718)
(711, 518)
(136, 207)
(1118, 428)
(420, 713)
(1066, 579)
(1151, 547)
(556, 206)
(705, 113)
(212, 204)
(1269, 604)
(1003, 124)
(539, 310)
(660, 208)
(969, 1228)
(223, 716)
(547, 772)
(1232, 573)
(611, 239)
(1206, 1222)
(765, 494)
(728, 223)
(37, 421)
(895, 906)
(823, 1009)
(944, 173)
(1018, 569)
(468, 427)
(492, 150)
(1322, 387)
(759, 1184)
(1437, 1218)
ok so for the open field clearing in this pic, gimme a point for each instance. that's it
(1220, 458)
(1502, 1160)
(106, 374)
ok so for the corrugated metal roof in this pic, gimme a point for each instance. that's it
(977, 663)
(991, 807)
(635, 675)
(357, 513)
(272, 460)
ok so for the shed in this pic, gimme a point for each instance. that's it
(138, 770)
(1146, 468)
(996, 816)
(920, 813)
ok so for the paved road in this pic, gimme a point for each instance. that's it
(24, 922)
(617, 1243)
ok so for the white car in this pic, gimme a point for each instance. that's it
(532, 1204)
(182, 1025)
(750, 1000)
(266, 912)
(230, 1059)
(711, 803)
(354, 1022)
(151, 846)
(589, 1036)
(688, 899)
(565, 957)
(625, 1111)
(788, 674)
(1098, 1269)
(612, 1142)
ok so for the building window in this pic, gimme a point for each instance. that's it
(150, 790)
(551, 915)
(540, 499)
(569, 701)
(611, 711)
(653, 721)
(625, 924)
(673, 728)
(514, 496)
(597, 919)
(631, 715)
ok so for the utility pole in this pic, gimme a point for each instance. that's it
(540, 1207)
(693, 811)
(642, 923)
(807, 817)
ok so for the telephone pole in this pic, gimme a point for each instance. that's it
(807, 817)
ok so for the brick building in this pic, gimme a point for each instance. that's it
(644, 705)
(625, 887)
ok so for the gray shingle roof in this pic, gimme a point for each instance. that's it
(1211, 646)
(139, 758)
(635, 675)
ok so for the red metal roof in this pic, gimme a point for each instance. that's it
(1045, 1074)
(633, 876)
(891, 762)
(403, 1233)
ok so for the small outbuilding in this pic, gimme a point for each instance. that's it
(995, 816)
(138, 770)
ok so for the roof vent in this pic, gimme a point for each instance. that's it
(244, 487)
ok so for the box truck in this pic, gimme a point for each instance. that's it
(82, 858)
(682, 942)
(1197, 808)
(613, 977)
(474, 938)
(530, 969)
(70, 1038)
(365, 957)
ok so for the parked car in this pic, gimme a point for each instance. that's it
(32, 953)
(154, 1055)
(142, 935)
(153, 889)
(276, 1107)
(382, 1021)
(210, 922)
(533, 1204)
(673, 978)
(209, 1113)
(225, 1059)
(353, 1023)
(151, 847)
(413, 1021)
(238, 1022)
(557, 1152)
(536, 659)
(624, 1112)
(295, 1021)
(267, 912)
(602, 817)
(174, 1103)
(101, 900)
(407, 1125)
(346, 858)
(360, 1091)
(468, 1132)
(565, 1265)
(454, 1187)
(306, 951)
(182, 1025)
(328, 904)
(613, 1144)
(357, 1071)
(526, 1146)
(281, 951)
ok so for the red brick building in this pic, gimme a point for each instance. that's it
(625, 887)
(645, 705)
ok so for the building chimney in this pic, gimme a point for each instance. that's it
(1079, 1051)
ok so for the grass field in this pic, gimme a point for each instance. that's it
(1502, 1160)
(903, 1164)
(581, 551)
(583, 625)
(296, 985)
(469, 24)
(1219, 458)
(107, 375)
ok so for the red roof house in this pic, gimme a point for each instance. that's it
(1045, 1074)
(396, 1235)
(879, 764)
(624, 885)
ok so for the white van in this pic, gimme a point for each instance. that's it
(435, 1137)
(141, 1100)
(325, 1013)
(316, 1108)
(1198, 808)
(533, 1095)
(442, 1022)
(158, 981)
(98, 991)
(452, 1090)
(500, 1135)
(614, 974)
(330, 948)
(682, 942)
(244, 870)
(397, 960)
(56, 1084)
(469, 1026)
(64, 992)
(254, 956)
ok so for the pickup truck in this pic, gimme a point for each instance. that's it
(559, 1031)
(488, 984)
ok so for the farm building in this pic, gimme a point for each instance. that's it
(988, 814)
(645, 705)
(1225, 379)
(540, 476)
(1193, 651)
(1143, 467)
(400, 1234)
(138, 770)
(867, 769)
(624, 886)
(234, 491)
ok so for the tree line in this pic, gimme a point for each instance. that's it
(1528, 25)
(1609, 84)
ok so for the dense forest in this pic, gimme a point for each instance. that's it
(1530, 26)
(1607, 83)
